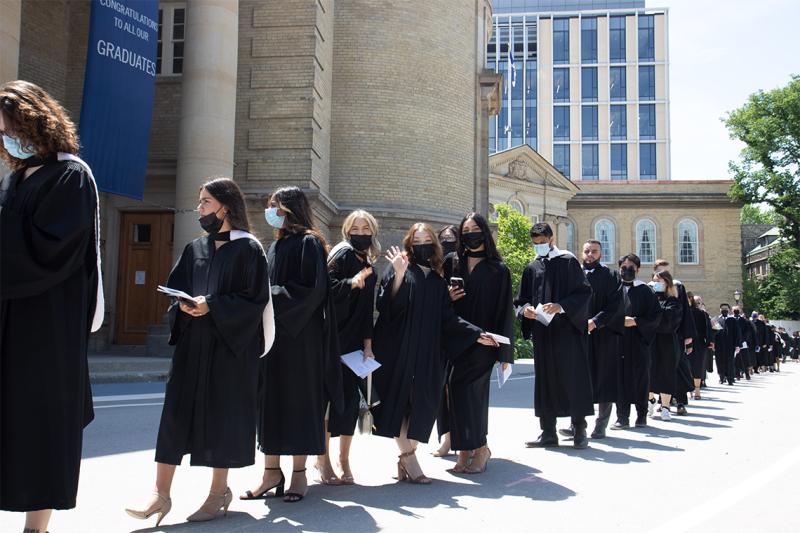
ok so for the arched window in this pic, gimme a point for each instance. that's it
(605, 232)
(646, 241)
(688, 253)
(569, 231)
(517, 205)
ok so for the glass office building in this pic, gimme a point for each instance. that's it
(585, 84)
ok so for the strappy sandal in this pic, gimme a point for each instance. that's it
(347, 479)
(264, 494)
(294, 497)
(332, 480)
(403, 475)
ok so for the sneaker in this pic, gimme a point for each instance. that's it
(665, 415)
(651, 407)
(656, 412)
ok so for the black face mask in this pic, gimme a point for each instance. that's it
(361, 242)
(591, 266)
(423, 253)
(628, 273)
(724, 312)
(448, 247)
(472, 240)
(736, 312)
(210, 223)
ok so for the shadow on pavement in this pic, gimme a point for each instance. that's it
(630, 444)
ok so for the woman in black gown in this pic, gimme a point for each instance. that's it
(210, 400)
(700, 344)
(302, 373)
(666, 348)
(415, 328)
(486, 301)
(353, 292)
(50, 299)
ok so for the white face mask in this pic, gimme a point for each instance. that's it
(542, 249)
(15, 148)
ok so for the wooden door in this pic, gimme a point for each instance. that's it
(145, 258)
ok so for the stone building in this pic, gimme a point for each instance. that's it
(371, 104)
(756, 262)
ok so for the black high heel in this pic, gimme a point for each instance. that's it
(294, 497)
(263, 495)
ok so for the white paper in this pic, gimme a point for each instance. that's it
(175, 293)
(355, 362)
(744, 344)
(502, 375)
(541, 316)
(499, 338)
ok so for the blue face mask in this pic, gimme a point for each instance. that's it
(273, 218)
(658, 286)
(15, 148)
(542, 249)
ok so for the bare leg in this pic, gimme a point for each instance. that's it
(272, 473)
(36, 521)
(665, 400)
(299, 483)
(345, 441)
(164, 475)
(444, 449)
(696, 388)
(219, 481)
(407, 446)
(326, 473)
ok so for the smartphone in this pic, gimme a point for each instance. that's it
(189, 303)
(458, 283)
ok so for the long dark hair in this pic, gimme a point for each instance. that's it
(227, 192)
(299, 219)
(488, 239)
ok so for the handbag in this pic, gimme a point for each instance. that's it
(366, 423)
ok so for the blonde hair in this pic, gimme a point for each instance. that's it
(374, 251)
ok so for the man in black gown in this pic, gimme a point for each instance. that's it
(555, 283)
(726, 344)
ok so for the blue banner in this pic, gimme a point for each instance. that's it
(118, 93)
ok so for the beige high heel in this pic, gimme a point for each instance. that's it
(161, 506)
(212, 505)
(480, 461)
(402, 471)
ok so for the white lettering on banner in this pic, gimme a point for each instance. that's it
(123, 55)
(131, 13)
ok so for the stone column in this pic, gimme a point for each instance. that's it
(208, 107)
(10, 22)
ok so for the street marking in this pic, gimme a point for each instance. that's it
(531, 376)
(129, 397)
(127, 405)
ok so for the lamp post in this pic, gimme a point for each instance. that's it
(737, 296)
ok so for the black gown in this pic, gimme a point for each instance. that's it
(354, 316)
(210, 401)
(608, 313)
(415, 329)
(302, 373)
(48, 287)
(667, 347)
(636, 347)
(563, 383)
(725, 343)
(762, 356)
(704, 335)
(488, 304)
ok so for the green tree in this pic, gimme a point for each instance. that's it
(752, 214)
(514, 244)
(776, 295)
(768, 171)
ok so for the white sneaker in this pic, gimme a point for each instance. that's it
(665, 415)
(651, 407)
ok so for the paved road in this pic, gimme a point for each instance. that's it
(732, 465)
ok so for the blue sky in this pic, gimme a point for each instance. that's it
(722, 51)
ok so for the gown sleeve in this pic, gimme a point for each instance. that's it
(238, 315)
(505, 318)
(394, 306)
(524, 299)
(43, 249)
(297, 301)
(369, 312)
(612, 316)
(180, 278)
(578, 297)
(647, 322)
(457, 334)
(341, 287)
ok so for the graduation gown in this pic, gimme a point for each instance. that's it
(607, 312)
(415, 328)
(703, 337)
(48, 291)
(302, 373)
(488, 304)
(762, 356)
(563, 383)
(210, 400)
(354, 316)
(637, 344)
(725, 343)
(667, 347)
(748, 331)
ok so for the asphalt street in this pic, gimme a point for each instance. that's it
(733, 464)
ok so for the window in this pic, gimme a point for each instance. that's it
(561, 41)
(590, 167)
(619, 122)
(619, 162)
(647, 161)
(616, 50)
(618, 86)
(589, 40)
(561, 158)
(647, 38)
(561, 122)
(647, 83)
(605, 232)
(687, 242)
(589, 84)
(171, 33)
(647, 122)
(517, 206)
(561, 85)
(646, 241)
(589, 123)
(569, 229)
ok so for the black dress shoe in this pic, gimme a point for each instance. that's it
(641, 421)
(682, 410)
(621, 424)
(581, 441)
(599, 433)
(545, 440)
(747, 376)
(569, 432)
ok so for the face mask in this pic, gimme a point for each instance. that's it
(15, 148)
(736, 312)
(627, 273)
(361, 242)
(423, 253)
(210, 223)
(591, 266)
(448, 247)
(273, 218)
(542, 249)
(658, 286)
(724, 312)
(473, 239)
